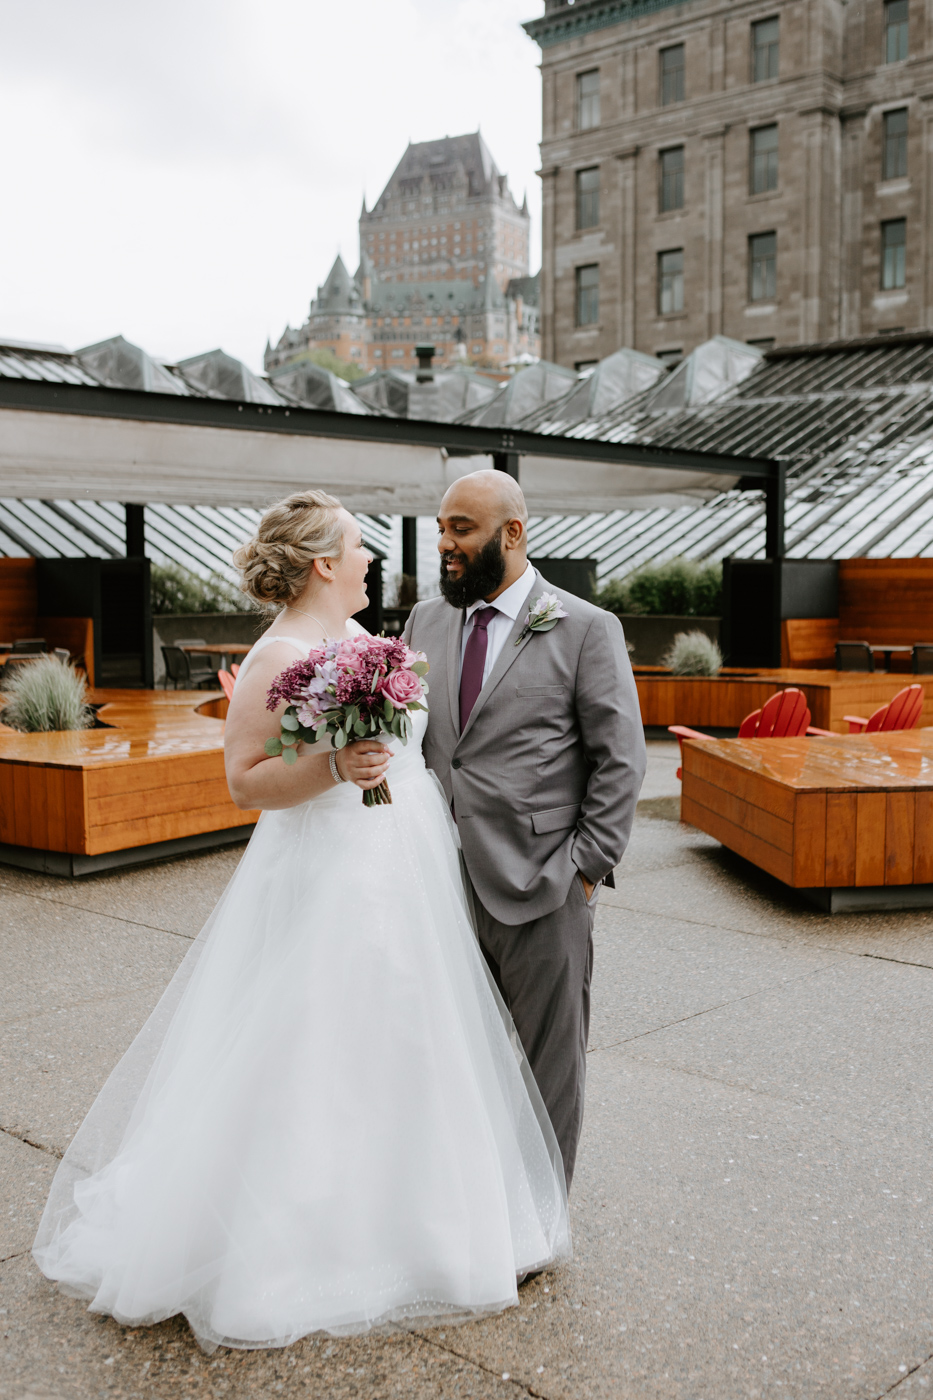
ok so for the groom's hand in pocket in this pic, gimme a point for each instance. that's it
(587, 887)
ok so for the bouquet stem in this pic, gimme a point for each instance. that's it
(375, 797)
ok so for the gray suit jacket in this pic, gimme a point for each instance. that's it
(546, 774)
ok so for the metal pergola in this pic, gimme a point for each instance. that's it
(77, 441)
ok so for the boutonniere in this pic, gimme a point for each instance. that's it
(544, 613)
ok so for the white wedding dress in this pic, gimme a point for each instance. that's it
(327, 1122)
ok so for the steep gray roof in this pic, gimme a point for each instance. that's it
(467, 157)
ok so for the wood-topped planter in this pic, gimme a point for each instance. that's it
(148, 785)
(723, 701)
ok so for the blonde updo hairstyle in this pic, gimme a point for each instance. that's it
(274, 565)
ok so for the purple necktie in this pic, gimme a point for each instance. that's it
(474, 663)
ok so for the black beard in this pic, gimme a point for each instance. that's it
(481, 576)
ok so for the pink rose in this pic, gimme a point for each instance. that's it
(400, 687)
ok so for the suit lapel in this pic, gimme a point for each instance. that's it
(454, 638)
(509, 653)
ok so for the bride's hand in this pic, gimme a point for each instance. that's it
(363, 762)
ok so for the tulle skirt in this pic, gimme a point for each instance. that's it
(327, 1123)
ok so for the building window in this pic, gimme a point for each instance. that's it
(588, 294)
(671, 281)
(588, 198)
(893, 254)
(672, 75)
(763, 159)
(894, 162)
(588, 99)
(672, 178)
(762, 267)
(895, 30)
(765, 48)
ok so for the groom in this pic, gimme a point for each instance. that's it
(536, 737)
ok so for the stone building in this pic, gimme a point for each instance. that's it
(758, 170)
(447, 213)
(443, 259)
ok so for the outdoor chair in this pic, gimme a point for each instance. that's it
(922, 659)
(785, 716)
(854, 656)
(179, 667)
(63, 654)
(30, 645)
(17, 659)
(226, 683)
(903, 712)
(235, 669)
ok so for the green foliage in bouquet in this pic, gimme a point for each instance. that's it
(679, 587)
(178, 590)
(44, 696)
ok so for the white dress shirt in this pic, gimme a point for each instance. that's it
(509, 605)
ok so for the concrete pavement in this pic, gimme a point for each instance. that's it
(751, 1208)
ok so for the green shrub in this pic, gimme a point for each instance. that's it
(682, 587)
(693, 654)
(178, 590)
(45, 695)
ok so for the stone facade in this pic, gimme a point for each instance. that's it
(762, 171)
(443, 260)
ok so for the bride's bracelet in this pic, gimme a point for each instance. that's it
(334, 770)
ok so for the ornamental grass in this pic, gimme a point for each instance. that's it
(45, 695)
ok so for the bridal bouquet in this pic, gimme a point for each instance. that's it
(361, 688)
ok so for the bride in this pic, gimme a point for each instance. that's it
(327, 1123)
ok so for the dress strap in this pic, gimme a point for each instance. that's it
(266, 640)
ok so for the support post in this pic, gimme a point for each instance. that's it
(410, 546)
(775, 494)
(506, 462)
(135, 531)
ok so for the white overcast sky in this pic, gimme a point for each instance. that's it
(183, 173)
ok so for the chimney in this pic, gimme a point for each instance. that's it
(425, 355)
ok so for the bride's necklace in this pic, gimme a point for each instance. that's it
(289, 608)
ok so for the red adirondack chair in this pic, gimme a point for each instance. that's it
(234, 670)
(903, 712)
(226, 683)
(785, 716)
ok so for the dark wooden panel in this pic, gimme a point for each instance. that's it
(808, 639)
(923, 838)
(810, 840)
(899, 838)
(886, 600)
(17, 599)
(841, 813)
(869, 851)
(172, 825)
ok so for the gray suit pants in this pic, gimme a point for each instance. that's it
(543, 971)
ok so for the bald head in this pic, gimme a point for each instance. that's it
(482, 537)
(494, 493)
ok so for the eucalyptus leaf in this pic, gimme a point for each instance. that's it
(289, 721)
(545, 626)
(388, 709)
(420, 668)
(360, 728)
(340, 739)
(289, 756)
(273, 747)
(290, 740)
